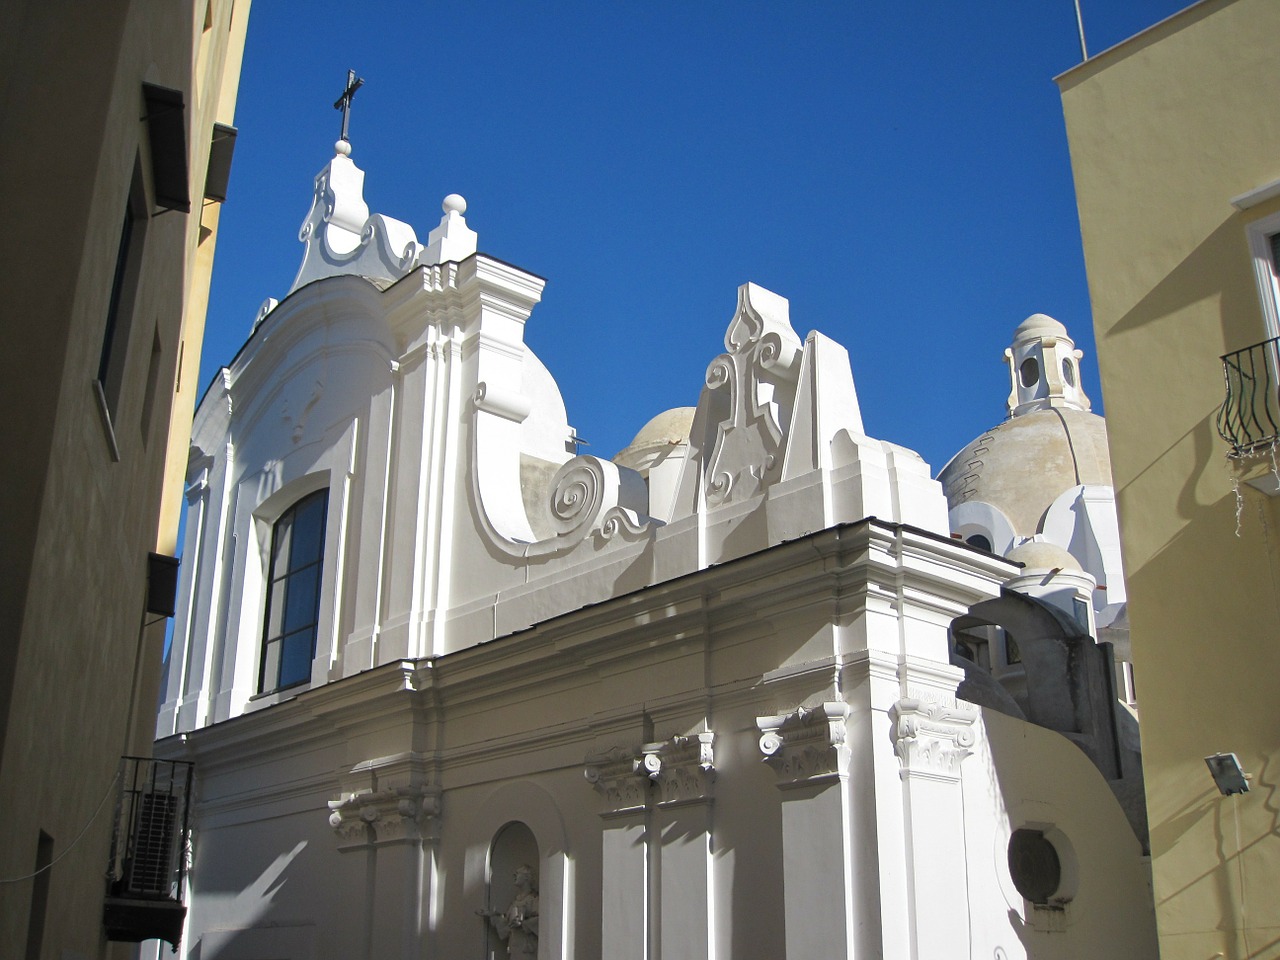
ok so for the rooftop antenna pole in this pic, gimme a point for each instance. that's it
(343, 103)
(1084, 53)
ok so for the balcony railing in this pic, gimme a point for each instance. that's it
(1250, 416)
(148, 851)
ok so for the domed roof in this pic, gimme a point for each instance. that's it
(1039, 325)
(668, 429)
(1043, 555)
(1024, 464)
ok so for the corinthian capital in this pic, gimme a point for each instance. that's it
(931, 737)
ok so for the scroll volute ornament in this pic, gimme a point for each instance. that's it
(807, 745)
(758, 373)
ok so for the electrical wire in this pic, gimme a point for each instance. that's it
(79, 836)
(1244, 920)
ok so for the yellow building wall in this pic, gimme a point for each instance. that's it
(1164, 130)
(79, 657)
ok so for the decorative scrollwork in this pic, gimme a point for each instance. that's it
(760, 370)
(578, 494)
(719, 486)
(620, 522)
(409, 255)
(719, 372)
(772, 352)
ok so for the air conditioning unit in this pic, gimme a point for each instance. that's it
(148, 851)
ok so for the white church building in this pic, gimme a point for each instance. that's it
(738, 693)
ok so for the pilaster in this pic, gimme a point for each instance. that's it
(657, 854)
(807, 751)
(391, 813)
(931, 737)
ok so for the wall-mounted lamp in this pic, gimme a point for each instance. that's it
(1227, 773)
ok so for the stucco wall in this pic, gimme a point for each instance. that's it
(78, 667)
(1165, 130)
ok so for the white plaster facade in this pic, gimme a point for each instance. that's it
(712, 690)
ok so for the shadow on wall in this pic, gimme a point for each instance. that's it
(253, 905)
(1090, 895)
(1229, 898)
(1062, 680)
(1199, 277)
(1217, 272)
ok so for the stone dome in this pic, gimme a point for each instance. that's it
(1025, 463)
(1038, 325)
(661, 434)
(1043, 555)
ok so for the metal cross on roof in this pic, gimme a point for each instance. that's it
(343, 103)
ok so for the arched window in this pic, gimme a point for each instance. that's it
(979, 540)
(293, 594)
(1030, 372)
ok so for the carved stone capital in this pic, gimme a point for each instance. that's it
(932, 736)
(806, 745)
(620, 777)
(688, 769)
(400, 814)
(679, 770)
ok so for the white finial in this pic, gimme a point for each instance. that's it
(453, 240)
(342, 148)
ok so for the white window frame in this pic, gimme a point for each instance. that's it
(249, 599)
(1260, 233)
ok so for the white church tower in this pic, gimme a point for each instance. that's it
(454, 690)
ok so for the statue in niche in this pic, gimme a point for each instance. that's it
(518, 924)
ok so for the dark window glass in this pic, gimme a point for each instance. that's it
(1012, 652)
(117, 294)
(120, 304)
(1030, 372)
(293, 594)
(1034, 865)
(980, 541)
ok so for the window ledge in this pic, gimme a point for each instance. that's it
(107, 427)
(1257, 195)
(272, 697)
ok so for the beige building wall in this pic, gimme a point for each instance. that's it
(1165, 130)
(80, 507)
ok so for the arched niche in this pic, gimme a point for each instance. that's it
(532, 808)
(513, 857)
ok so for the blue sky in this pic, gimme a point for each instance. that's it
(898, 170)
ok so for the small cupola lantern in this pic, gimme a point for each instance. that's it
(1044, 367)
